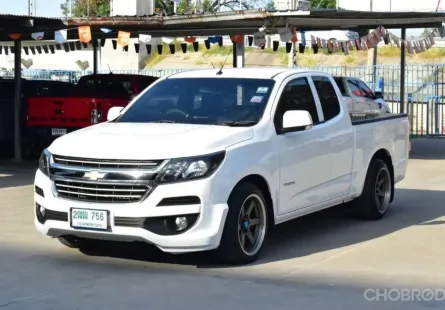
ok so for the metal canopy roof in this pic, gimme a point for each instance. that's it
(28, 24)
(224, 23)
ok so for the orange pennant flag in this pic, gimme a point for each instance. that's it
(189, 39)
(123, 38)
(85, 34)
(14, 36)
(237, 38)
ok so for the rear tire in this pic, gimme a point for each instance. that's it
(246, 225)
(377, 191)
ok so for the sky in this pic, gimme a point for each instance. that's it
(48, 8)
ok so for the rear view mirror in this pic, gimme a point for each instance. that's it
(296, 120)
(113, 113)
(378, 95)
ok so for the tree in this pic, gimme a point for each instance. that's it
(323, 4)
(82, 8)
(270, 6)
(426, 32)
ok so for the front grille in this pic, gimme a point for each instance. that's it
(107, 163)
(101, 192)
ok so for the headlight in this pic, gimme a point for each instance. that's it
(192, 168)
(44, 162)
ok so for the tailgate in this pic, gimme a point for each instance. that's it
(68, 112)
(59, 111)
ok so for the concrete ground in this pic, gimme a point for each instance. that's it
(324, 261)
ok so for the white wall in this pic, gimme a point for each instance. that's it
(132, 7)
(395, 5)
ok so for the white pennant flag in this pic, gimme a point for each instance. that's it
(409, 47)
(363, 43)
(60, 36)
(346, 48)
(312, 40)
(432, 39)
(38, 35)
(144, 38)
(285, 34)
(259, 39)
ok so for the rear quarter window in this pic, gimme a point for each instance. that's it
(328, 97)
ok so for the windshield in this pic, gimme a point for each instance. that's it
(223, 101)
(107, 86)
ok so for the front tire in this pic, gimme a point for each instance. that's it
(246, 225)
(376, 197)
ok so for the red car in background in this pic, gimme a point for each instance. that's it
(86, 104)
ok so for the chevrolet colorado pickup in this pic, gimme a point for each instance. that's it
(212, 159)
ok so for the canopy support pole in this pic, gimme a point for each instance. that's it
(17, 99)
(402, 71)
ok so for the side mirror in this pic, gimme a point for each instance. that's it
(113, 113)
(378, 95)
(296, 120)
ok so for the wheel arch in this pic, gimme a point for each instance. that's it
(383, 154)
(263, 185)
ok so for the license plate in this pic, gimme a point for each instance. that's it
(58, 131)
(89, 219)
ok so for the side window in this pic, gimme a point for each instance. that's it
(354, 88)
(297, 95)
(328, 97)
(367, 92)
(341, 86)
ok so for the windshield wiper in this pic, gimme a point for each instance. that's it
(163, 121)
(235, 124)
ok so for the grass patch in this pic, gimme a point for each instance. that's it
(350, 59)
(433, 53)
(388, 51)
(154, 58)
(215, 49)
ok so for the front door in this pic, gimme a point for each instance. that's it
(304, 155)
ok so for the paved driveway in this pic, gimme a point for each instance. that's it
(324, 261)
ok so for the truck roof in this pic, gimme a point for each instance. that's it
(252, 73)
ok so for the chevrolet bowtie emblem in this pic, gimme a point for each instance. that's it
(94, 175)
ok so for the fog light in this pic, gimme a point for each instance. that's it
(181, 223)
(42, 211)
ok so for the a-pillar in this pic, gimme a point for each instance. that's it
(17, 99)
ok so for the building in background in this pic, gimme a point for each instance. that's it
(391, 5)
(132, 7)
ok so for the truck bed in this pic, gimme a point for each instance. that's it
(390, 131)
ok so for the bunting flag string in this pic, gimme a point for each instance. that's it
(258, 39)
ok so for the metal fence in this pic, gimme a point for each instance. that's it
(424, 88)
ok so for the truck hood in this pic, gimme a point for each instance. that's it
(141, 141)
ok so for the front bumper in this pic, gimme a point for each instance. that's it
(205, 234)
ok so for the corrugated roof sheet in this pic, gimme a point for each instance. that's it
(224, 23)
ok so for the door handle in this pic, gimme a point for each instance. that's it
(322, 139)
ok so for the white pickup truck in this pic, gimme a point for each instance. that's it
(211, 159)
